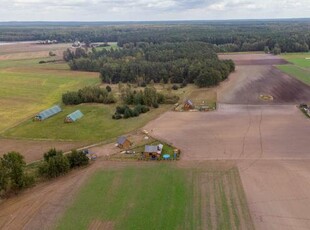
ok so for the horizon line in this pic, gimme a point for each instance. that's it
(168, 20)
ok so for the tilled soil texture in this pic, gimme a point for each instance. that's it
(259, 77)
(254, 59)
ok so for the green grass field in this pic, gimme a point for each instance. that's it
(160, 196)
(27, 87)
(298, 59)
(300, 67)
(112, 45)
(96, 125)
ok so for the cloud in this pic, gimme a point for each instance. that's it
(97, 10)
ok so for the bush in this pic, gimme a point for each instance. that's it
(145, 109)
(175, 87)
(54, 165)
(184, 84)
(42, 62)
(117, 116)
(108, 88)
(121, 109)
(71, 98)
(77, 159)
(155, 105)
(128, 113)
(51, 153)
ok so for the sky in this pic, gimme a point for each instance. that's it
(143, 10)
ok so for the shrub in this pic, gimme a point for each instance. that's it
(108, 88)
(71, 98)
(155, 105)
(42, 62)
(117, 116)
(128, 113)
(51, 153)
(145, 109)
(184, 84)
(54, 165)
(77, 159)
(121, 109)
(175, 87)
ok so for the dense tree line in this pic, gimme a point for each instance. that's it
(89, 94)
(226, 36)
(56, 163)
(182, 62)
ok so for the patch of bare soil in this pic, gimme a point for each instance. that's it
(30, 50)
(250, 82)
(255, 75)
(100, 225)
(278, 193)
(33, 150)
(254, 59)
(236, 132)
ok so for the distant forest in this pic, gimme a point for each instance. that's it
(225, 36)
(143, 63)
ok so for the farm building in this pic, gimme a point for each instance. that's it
(47, 113)
(153, 151)
(74, 116)
(123, 142)
(188, 105)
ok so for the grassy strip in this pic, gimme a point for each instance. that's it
(294, 71)
(96, 125)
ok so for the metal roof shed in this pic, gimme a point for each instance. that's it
(74, 116)
(48, 113)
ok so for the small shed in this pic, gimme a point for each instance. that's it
(153, 151)
(73, 117)
(47, 113)
(123, 142)
(188, 105)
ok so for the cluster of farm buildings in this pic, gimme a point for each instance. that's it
(151, 152)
